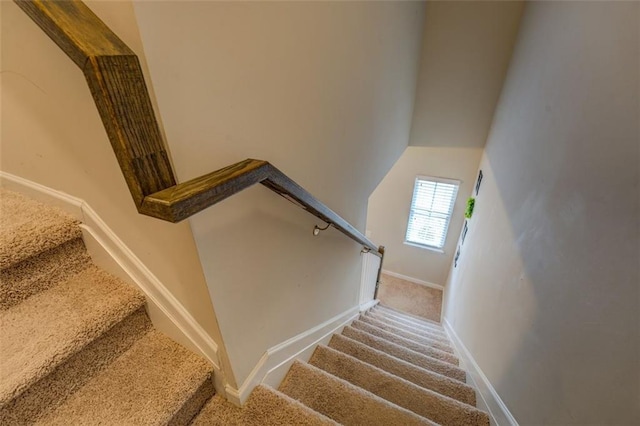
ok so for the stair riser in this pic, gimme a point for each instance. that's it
(193, 406)
(265, 406)
(32, 228)
(438, 332)
(46, 394)
(410, 344)
(438, 344)
(408, 317)
(426, 403)
(341, 401)
(419, 376)
(41, 272)
(431, 333)
(405, 354)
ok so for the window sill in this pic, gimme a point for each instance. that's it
(420, 246)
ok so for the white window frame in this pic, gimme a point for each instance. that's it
(449, 214)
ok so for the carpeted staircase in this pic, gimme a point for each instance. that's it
(77, 348)
(386, 368)
(76, 345)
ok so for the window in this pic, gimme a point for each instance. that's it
(431, 209)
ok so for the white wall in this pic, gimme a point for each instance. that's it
(52, 134)
(546, 293)
(465, 54)
(322, 90)
(390, 203)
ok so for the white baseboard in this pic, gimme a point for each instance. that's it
(370, 304)
(413, 280)
(110, 253)
(498, 411)
(276, 361)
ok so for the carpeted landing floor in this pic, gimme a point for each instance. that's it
(77, 348)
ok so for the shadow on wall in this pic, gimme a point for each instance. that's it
(546, 295)
(260, 302)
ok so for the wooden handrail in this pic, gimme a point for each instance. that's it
(117, 85)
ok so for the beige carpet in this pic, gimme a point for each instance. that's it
(76, 344)
(371, 374)
(410, 298)
(77, 348)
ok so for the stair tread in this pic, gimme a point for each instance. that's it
(424, 402)
(420, 376)
(265, 406)
(148, 385)
(408, 343)
(410, 327)
(29, 227)
(406, 354)
(45, 330)
(399, 322)
(343, 402)
(404, 316)
(438, 343)
(41, 272)
(407, 314)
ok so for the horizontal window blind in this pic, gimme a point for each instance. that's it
(431, 209)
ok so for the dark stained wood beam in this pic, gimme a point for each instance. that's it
(188, 198)
(75, 28)
(121, 96)
(117, 85)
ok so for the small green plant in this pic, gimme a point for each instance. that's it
(471, 202)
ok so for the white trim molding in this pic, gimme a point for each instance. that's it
(368, 277)
(110, 253)
(500, 414)
(275, 362)
(412, 280)
(368, 305)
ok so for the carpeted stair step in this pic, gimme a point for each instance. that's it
(419, 329)
(42, 271)
(407, 318)
(434, 327)
(29, 228)
(417, 375)
(440, 344)
(430, 332)
(406, 354)
(341, 401)
(426, 403)
(155, 382)
(51, 327)
(39, 247)
(53, 389)
(407, 343)
(265, 406)
(407, 315)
